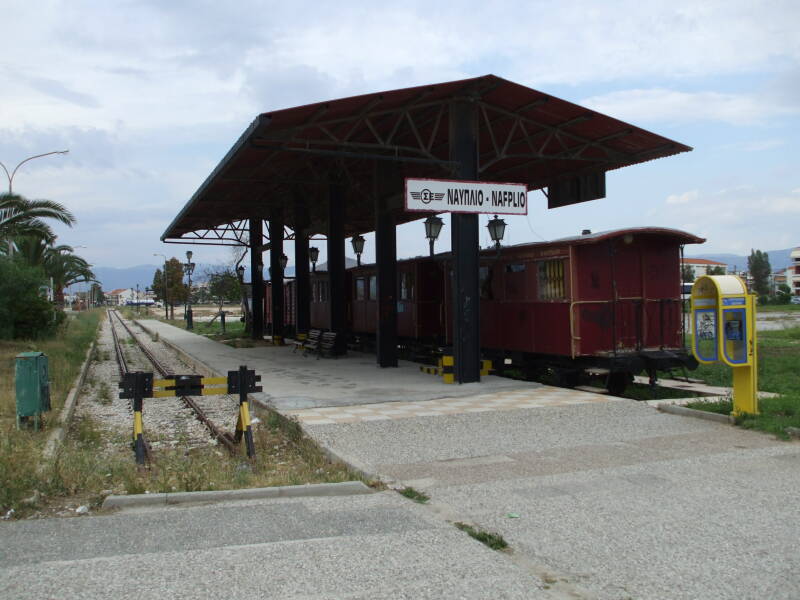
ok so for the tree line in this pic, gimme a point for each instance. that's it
(31, 262)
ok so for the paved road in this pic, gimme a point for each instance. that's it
(377, 546)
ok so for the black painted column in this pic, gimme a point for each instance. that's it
(465, 246)
(276, 273)
(302, 280)
(257, 277)
(337, 300)
(386, 259)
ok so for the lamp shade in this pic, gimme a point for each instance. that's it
(284, 262)
(497, 229)
(433, 226)
(358, 243)
(188, 256)
(313, 254)
(240, 272)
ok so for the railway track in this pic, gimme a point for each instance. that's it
(222, 437)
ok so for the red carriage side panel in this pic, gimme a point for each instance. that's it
(320, 311)
(363, 299)
(430, 299)
(663, 309)
(407, 292)
(592, 312)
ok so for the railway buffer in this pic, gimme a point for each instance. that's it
(137, 386)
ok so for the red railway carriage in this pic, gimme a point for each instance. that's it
(610, 300)
(420, 289)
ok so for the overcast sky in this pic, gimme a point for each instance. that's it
(149, 96)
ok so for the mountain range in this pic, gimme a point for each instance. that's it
(778, 259)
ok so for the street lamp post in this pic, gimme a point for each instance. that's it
(188, 267)
(497, 228)
(313, 255)
(433, 226)
(10, 178)
(358, 247)
(166, 286)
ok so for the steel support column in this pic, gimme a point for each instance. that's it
(336, 265)
(276, 274)
(386, 259)
(302, 280)
(465, 247)
(257, 277)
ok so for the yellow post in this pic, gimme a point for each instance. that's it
(745, 379)
(137, 425)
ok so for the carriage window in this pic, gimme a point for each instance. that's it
(515, 268)
(373, 287)
(485, 282)
(360, 288)
(551, 280)
(406, 286)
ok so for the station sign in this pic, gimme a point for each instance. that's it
(458, 196)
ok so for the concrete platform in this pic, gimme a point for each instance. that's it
(293, 381)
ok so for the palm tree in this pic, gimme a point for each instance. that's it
(65, 269)
(57, 262)
(22, 217)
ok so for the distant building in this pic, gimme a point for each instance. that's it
(701, 266)
(119, 296)
(779, 278)
(793, 272)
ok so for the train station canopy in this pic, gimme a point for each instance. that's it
(524, 136)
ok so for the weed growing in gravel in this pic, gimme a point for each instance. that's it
(494, 540)
(104, 393)
(414, 495)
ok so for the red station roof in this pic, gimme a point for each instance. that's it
(524, 135)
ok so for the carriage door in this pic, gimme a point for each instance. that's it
(626, 269)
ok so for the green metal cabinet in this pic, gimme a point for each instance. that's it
(33, 386)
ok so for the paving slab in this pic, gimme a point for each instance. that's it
(612, 497)
(378, 546)
(293, 381)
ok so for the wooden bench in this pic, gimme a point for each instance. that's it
(310, 343)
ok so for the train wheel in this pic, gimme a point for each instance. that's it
(617, 382)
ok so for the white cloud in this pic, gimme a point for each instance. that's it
(684, 198)
(659, 104)
(149, 95)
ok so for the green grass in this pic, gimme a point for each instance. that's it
(65, 353)
(767, 308)
(415, 495)
(778, 361)
(494, 540)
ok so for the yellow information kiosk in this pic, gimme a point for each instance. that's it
(724, 326)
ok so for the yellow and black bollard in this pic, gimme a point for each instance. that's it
(243, 382)
(136, 387)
